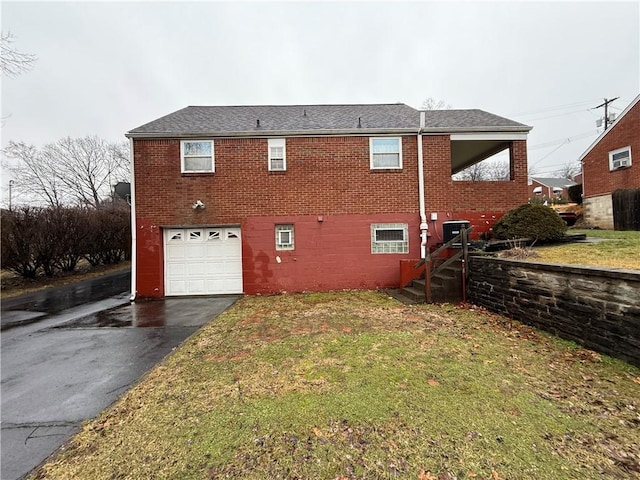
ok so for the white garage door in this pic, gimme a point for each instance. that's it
(202, 261)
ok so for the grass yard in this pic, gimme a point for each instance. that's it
(355, 385)
(619, 249)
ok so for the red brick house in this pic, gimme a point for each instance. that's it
(546, 188)
(607, 165)
(265, 199)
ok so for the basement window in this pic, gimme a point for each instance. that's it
(389, 238)
(197, 156)
(620, 158)
(284, 237)
(385, 153)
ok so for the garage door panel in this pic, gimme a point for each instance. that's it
(201, 261)
(195, 269)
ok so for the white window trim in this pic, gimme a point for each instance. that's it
(278, 142)
(371, 165)
(378, 247)
(213, 156)
(614, 152)
(282, 228)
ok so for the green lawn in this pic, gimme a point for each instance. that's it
(620, 249)
(356, 385)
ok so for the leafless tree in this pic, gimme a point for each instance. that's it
(33, 177)
(487, 170)
(499, 170)
(433, 104)
(569, 170)
(80, 171)
(474, 173)
(13, 62)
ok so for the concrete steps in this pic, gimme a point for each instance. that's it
(446, 286)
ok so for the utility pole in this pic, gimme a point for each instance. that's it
(606, 110)
(11, 182)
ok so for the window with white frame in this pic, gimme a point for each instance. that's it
(620, 158)
(389, 238)
(277, 155)
(197, 156)
(284, 237)
(385, 152)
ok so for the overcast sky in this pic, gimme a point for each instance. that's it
(104, 68)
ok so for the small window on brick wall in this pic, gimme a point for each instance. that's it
(385, 153)
(277, 155)
(389, 238)
(284, 237)
(197, 156)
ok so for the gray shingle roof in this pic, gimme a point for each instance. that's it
(322, 119)
(554, 182)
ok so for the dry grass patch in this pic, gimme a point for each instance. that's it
(617, 249)
(354, 385)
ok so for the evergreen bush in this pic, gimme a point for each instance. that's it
(538, 222)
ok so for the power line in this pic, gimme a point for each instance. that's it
(548, 109)
(562, 140)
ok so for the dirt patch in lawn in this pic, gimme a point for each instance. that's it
(354, 385)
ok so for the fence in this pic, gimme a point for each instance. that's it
(626, 209)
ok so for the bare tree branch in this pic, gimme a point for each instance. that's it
(13, 62)
(569, 170)
(79, 171)
(33, 176)
(433, 104)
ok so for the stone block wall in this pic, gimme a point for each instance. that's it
(597, 308)
(598, 211)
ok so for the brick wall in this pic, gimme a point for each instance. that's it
(325, 175)
(328, 176)
(598, 308)
(598, 179)
(482, 203)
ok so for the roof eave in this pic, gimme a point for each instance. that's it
(298, 133)
(273, 133)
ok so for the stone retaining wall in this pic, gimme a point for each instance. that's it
(598, 308)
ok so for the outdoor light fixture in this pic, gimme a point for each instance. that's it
(198, 205)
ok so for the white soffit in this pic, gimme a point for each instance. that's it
(490, 136)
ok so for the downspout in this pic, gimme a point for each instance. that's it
(424, 226)
(133, 224)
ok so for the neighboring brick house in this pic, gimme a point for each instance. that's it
(265, 199)
(607, 165)
(549, 188)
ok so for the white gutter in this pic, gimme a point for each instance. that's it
(424, 226)
(133, 224)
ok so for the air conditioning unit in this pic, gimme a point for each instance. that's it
(623, 162)
(620, 159)
(452, 229)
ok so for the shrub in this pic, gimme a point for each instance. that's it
(537, 222)
(109, 238)
(48, 240)
(22, 241)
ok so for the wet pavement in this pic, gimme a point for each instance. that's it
(32, 307)
(67, 367)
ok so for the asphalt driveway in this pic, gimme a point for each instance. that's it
(66, 368)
